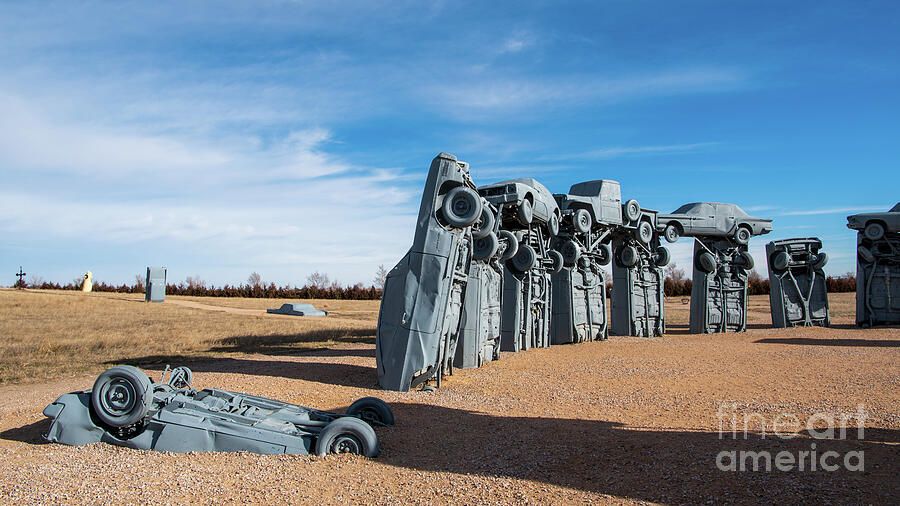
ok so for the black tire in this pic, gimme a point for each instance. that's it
(820, 261)
(347, 435)
(524, 259)
(672, 232)
(556, 261)
(571, 252)
(553, 225)
(372, 410)
(644, 232)
(581, 221)
(747, 262)
(780, 261)
(865, 254)
(628, 256)
(742, 235)
(662, 256)
(121, 396)
(485, 223)
(461, 207)
(524, 213)
(605, 254)
(874, 231)
(632, 210)
(485, 247)
(512, 244)
(706, 262)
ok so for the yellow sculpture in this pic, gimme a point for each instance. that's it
(88, 283)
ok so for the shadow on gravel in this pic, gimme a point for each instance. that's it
(284, 344)
(318, 372)
(663, 466)
(32, 433)
(809, 341)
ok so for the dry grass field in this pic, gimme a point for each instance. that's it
(629, 420)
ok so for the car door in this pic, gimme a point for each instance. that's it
(703, 221)
(725, 218)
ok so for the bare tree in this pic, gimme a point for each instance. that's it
(674, 273)
(195, 282)
(139, 282)
(380, 277)
(754, 277)
(318, 280)
(35, 281)
(254, 280)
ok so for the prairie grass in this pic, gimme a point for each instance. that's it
(48, 333)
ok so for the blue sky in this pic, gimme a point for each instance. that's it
(221, 138)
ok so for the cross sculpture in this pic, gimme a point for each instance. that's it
(21, 275)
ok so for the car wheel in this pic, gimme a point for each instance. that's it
(556, 261)
(485, 223)
(747, 261)
(121, 396)
(553, 225)
(571, 252)
(524, 213)
(706, 262)
(865, 254)
(461, 207)
(672, 233)
(485, 247)
(742, 235)
(632, 210)
(347, 435)
(581, 221)
(644, 232)
(628, 256)
(820, 261)
(524, 259)
(662, 256)
(780, 261)
(512, 245)
(372, 410)
(604, 252)
(874, 231)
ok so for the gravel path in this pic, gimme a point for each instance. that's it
(623, 421)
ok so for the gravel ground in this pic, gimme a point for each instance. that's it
(623, 421)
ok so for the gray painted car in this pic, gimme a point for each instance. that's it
(419, 318)
(124, 408)
(522, 202)
(874, 225)
(298, 309)
(711, 219)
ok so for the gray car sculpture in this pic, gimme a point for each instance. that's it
(528, 209)
(637, 302)
(298, 309)
(418, 322)
(711, 219)
(798, 294)
(124, 408)
(874, 225)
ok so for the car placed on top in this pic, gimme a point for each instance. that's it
(874, 225)
(711, 219)
(523, 201)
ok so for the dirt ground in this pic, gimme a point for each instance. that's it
(629, 420)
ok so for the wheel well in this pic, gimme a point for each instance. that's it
(678, 226)
(880, 222)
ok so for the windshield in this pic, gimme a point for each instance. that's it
(896, 209)
(695, 208)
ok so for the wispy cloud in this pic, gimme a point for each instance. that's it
(836, 210)
(619, 151)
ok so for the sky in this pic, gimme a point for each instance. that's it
(287, 137)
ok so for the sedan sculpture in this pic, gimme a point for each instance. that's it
(874, 225)
(712, 219)
(124, 408)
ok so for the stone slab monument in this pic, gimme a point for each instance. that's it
(155, 286)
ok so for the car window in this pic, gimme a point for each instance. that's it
(686, 209)
(896, 209)
(739, 213)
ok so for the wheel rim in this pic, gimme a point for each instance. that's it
(671, 234)
(119, 397)
(345, 443)
(461, 205)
